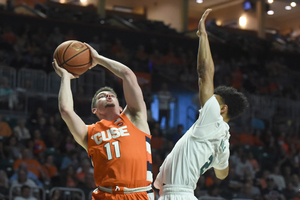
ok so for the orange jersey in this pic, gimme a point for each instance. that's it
(120, 153)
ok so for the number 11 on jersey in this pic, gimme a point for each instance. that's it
(115, 145)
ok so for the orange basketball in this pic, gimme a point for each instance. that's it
(74, 56)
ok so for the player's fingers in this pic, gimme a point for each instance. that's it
(54, 66)
(204, 16)
(87, 45)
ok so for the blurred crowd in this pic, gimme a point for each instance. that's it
(38, 151)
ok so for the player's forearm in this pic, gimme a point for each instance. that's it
(115, 67)
(204, 61)
(65, 97)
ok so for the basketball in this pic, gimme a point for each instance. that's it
(74, 56)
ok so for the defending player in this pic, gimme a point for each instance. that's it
(119, 144)
(206, 143)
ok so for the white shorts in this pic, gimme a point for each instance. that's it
(177, 192)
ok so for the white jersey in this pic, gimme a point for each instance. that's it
(203, 146)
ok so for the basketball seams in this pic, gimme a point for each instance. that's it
(65, 50)
(65, 62)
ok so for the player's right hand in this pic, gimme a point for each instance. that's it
(201, 25)
(94, 55)
(61, 71)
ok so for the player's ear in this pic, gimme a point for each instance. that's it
(94, 110)
(120, 109)
(224, 108)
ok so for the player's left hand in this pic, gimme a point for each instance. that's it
(94, 54)
(201, 25)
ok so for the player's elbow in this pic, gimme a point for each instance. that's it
(127, 73)
(222, 174)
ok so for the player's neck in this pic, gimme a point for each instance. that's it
(109, 116)
(225, 118)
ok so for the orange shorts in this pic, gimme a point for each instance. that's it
(99, 195)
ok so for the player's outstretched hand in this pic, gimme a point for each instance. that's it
(94, 54)
(201, 25)
(61, 71)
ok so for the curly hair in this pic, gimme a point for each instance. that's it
(236, 101)
(105, 88)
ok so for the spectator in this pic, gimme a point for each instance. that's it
(49, 167)
(287, 173)
(277, 178)
(54, 138)
(253, 161)
(39, 146)
(148, 98)
(212, 193)
(290, 192)
(236, 155)
(25, 194)
(21, 131)
(8, 97)
(248, 191)
(262, 181)
(69, 178)
(56, 195)
(231, 184)
(84, 169)
(164, 100)
(42, 127)
(295, 181)
(70, 159)
(257, 138)
(271, 192)
(5, 129)
(246, 138)
(2, 151)
(4, 184)
(87, 185)
(70, 143)
(32, 165)
(23, 179)
(30, 175)
(157, 140)
(11, 149)
(243, 167)
(33, 120)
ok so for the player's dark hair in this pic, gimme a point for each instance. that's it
(236, 101)
(105, 88)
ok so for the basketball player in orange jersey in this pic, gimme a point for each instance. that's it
(118, 144)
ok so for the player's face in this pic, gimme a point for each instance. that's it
(106, 100)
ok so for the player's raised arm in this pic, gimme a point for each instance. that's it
(205, 64)
(65, 102)
(132, 91)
